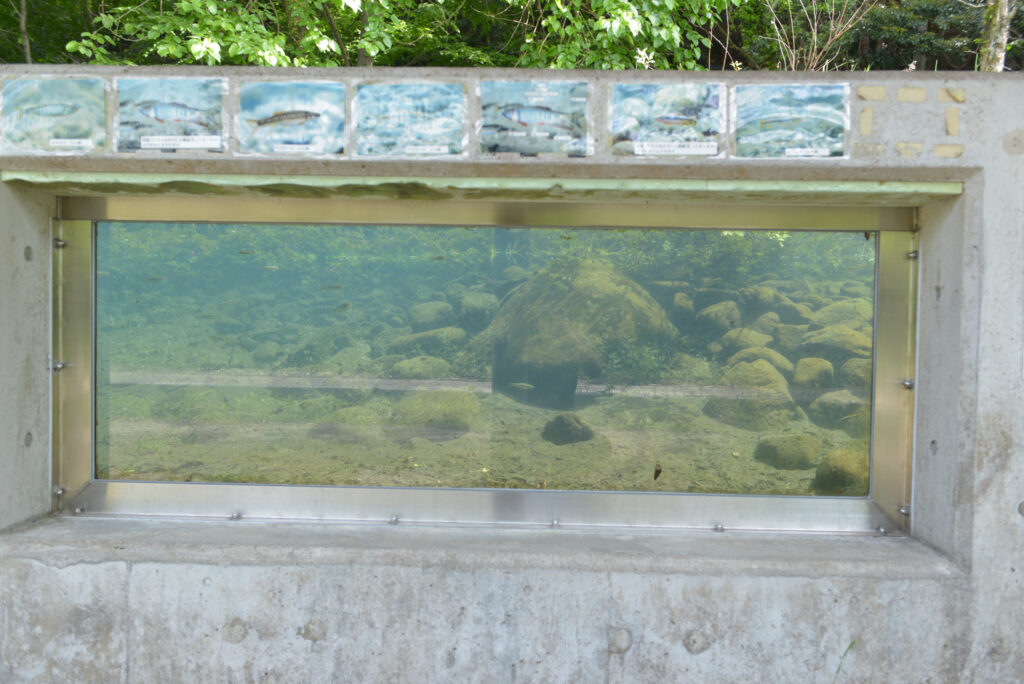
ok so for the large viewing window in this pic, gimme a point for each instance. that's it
(445, 372)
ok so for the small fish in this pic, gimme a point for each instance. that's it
(344, 306)
(527, 116)
(245, 251)
(336, 286)
(154, 279)
(55, 109)
(286, 118)
(174, 112)
(657, 470)
(440, 257)
(271, 267)
(525, 386)
(676, 120)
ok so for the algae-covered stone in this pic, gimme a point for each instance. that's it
(430, 316)
(837, 343)
(759, 399)
(709, 296)
(766, 323)
(789, 451)
(719, 317)
(445, 409)
(789, 337)
(851, 312)
(566, 428)
(843, 472)
(835, 409)
(475, 309)
(421, 368)
(856, 374)
(743, 338)
(439, 342)
(813, 373)
(781, 363)
(565, 321)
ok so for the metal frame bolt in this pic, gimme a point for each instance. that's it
(904, 509)
(79, 510)
(1020, 508)
(908, 383)
(237, 515)
(393, 520)
(719, 527)
(59, 244)
(59, 365)
(58, 491)
(913, 254)
(881, 530)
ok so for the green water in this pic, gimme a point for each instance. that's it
(426, 356)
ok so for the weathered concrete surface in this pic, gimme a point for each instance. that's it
(24, 353)
(128, 601)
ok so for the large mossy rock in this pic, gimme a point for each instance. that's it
(718, 318)
(475, 309)
(430, 316)
(435, 415)
(813, 373)
(568, 320)
(839, 410)
(789, 451)
(837, 343)
(566, 428)
(759, 398)
(421, 368)
(843, 472)
(781, 363)
(443, 342)
(851, 312)
(318, 348)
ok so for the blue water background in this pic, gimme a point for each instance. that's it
(38, 110)
(396, 119)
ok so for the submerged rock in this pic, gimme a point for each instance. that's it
(760, 400)
(843, 472)
(564, 322)
(439, 342)
(431, 315)
(567, 428)
(789, 451)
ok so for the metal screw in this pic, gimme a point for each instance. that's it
(908, 383)
(904, 509)
(393, 520)
(555, 523)
(59, 365)
(719, 527)
(1020, 508)
(80, 510)
(58, 491)
(913, 254)
(59, 244)
(881, 530)
(237, 515)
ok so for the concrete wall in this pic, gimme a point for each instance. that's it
(130, 600)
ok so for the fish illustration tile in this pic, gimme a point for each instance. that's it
(170, 114)
(791, 120)
(409, 119)
(47, 115)
(534, 118)
(666, 119)
(291, 117)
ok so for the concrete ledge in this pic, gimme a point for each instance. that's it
(63, 541)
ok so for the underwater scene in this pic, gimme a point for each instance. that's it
(409, 119)
(289, 117)
(169, 113)
(650, 119)
(546, 358)
(790, 120)
(533, 117)
(45, 115)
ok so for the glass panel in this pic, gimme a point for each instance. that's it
(641, 360)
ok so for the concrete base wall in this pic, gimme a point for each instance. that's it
(98, 600)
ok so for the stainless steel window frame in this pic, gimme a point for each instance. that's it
(892, 403)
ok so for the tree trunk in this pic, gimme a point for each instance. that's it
(363, 59)
(998, 14)
(23, 24)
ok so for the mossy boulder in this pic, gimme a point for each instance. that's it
(421, 368)
(856, 375)
(720, 317)
(788, 337)
(756, 397)
(475, 309)
(789, 451)
(837, 343)
(566, 321)
(843, 472)
(794, 313)
(835, 410)
(851, 312)
(442, 342)
(813, 373)
(743, 338)
(434, 415)
(781, 363)
(766, 323)
(430, 316)
(704, 297)
(681, 309)
(566, 428)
